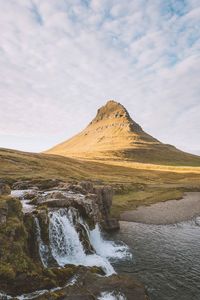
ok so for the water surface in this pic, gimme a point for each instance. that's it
(166, 258)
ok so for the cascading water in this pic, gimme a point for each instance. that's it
(64, 239)
(43, 249)
(67, 248)
(107, 249)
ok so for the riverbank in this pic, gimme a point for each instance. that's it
(169, 212)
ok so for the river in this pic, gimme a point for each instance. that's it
(166, 258)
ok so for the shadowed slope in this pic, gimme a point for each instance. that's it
(113, 135)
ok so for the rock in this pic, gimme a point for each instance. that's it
(86, 204)
(42, 184)
(83, 236)
(3, 218)
(30, 195)
(22, 185)
(87, 186)
(104, 200)
(91, 286)
(93, 202)
(87, 208)
(47, 184)
(110, 224)
(83, 187)
(3, 212)
(4, 189)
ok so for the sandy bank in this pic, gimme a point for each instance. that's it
(169, 212)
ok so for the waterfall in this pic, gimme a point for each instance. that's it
(66, 246)
(43, 249)
(64, 239)
(108, 249)
(65, 243)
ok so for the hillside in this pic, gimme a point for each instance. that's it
(134, 184)
(113, 136)
(16, 165)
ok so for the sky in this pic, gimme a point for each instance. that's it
(60, 60)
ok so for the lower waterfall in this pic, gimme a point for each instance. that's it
(66, 246)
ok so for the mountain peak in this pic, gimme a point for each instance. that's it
(111, 110)
(111, 129)
(113, 135)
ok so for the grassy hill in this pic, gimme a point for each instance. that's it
(134, 183)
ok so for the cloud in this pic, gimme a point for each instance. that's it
(61, 60)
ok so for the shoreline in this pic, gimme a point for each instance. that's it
(165, 213)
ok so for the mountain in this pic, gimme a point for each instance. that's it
(113, 135)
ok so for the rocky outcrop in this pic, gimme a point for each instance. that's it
(93, 202)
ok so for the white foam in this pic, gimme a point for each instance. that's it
(4, 296)
(26, 206)
(107, 249)
(20, 193)
(111, 296)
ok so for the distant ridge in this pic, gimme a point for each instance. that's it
(113, 135)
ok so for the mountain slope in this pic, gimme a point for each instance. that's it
(113, 135)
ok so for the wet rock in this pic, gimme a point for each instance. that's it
(104, 200)
(88, 208)
(32, 243)
(93, 202)
(83, 236)
(4, 189)
(91, 286)
(30, 195)
(42, 215)
(110, 224)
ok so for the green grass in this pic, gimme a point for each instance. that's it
(135, 184)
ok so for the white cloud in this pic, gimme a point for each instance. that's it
(61, 60)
